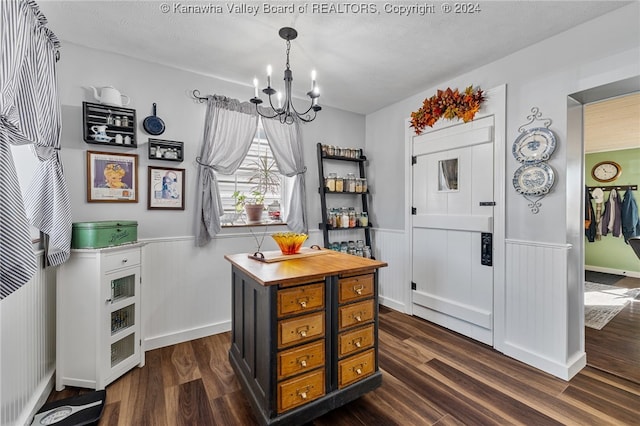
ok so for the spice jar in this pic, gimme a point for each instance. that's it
(358, 185)
(125, 121)
(117, 121)
(351, 247)
(331, 182)
(364, 219)
(344, 247)
(339, 184)
(350, 182)
(364, 184)
(352, 219)
(345, 218)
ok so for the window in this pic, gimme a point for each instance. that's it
(257, 171)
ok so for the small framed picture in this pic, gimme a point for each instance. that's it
(166, 188)
(112, 177)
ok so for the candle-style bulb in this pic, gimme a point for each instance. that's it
(269, 75)
(255, 87)
(313, 80)
(279, 100)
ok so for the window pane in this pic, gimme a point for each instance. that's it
(448, 175)
(258, 171)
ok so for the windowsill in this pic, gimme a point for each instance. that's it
(252, 224)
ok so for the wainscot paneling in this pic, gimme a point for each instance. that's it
(390, 246)
(536, 323)
(27, 347)
(186, 290)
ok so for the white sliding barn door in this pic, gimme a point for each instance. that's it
(451, 229)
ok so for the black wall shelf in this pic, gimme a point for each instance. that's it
(325, 226)
(107, 115)
(161, 149)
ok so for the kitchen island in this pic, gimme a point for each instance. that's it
(304, 333)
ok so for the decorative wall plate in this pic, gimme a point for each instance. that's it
(533, 179)
(536, 144)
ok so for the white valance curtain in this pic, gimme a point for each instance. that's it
(285, 141)
(29, 114)
(229, 128)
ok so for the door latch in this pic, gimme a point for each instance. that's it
(486, 252)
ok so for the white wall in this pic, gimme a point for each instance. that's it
(146, 83)
(601, 51)
(186, 289)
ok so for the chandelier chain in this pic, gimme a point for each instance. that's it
(288, 49)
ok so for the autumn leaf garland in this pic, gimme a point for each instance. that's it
(447, 104)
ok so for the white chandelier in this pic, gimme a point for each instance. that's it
(286, 112)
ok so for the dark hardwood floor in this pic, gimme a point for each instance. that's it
(431, 376)
(616, 348)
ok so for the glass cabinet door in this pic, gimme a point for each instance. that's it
(120, 323)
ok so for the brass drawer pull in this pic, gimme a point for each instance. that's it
(303, 302)
(359, 370)
(357, 342)
(302, 331)
(302, 361)
(303, 392)
(358, 316)
(358, 290)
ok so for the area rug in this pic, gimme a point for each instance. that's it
(603, 302)
(601, 277)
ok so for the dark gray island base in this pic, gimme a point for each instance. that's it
(304, 333)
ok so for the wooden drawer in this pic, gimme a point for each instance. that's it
(300, 329)
(300, 359)
(354, 314)
(300, 299)
(300, 390)
(353, 341)
(354, 288)
(354, 368)
(121, 259)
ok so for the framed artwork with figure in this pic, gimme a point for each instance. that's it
(112, 177)
(166, 188)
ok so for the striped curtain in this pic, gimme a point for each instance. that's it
(29, 114)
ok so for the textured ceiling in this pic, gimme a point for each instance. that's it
(364, 61)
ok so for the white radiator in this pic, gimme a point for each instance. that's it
(27, 347)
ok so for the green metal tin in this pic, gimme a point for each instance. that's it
(108, 233)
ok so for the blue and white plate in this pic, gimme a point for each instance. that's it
(533, 179)
(534, 145)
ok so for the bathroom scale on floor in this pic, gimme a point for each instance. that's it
(85, 409)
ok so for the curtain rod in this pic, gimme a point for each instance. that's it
(202, 99)
(616, 187)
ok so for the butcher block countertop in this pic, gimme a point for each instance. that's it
(303, 269)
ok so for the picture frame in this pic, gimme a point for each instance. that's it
(112, 177)
(165, 188)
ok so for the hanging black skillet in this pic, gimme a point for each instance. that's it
(153, 124)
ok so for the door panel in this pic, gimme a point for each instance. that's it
(453, 288)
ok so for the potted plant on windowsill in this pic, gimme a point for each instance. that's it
(252, 204)
(267, 180)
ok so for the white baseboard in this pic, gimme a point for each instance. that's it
(392, 304)
(633, 274)
(564, 371)
(186, 335)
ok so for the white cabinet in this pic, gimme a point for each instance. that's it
(98, 316)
